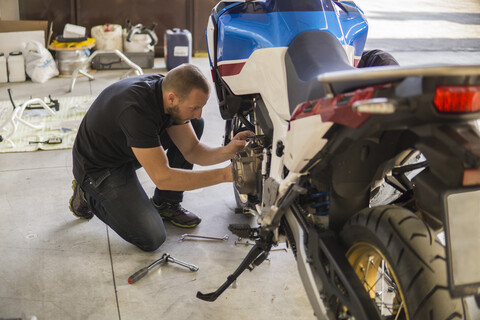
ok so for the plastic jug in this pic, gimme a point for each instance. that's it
(3, 69)
(16, 67)
(108, 37)
(177, 47)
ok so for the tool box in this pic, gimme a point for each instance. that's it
(108, 61)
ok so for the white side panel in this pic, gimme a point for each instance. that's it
(264, 73)
(279, 134)
(304, 140)
(349, 50)
(210, 37)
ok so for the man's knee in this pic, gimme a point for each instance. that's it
(152, 243)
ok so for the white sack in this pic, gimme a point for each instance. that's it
(39, 63)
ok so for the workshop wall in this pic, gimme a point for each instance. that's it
(167, 14)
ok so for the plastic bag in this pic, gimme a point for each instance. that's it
(39, 63)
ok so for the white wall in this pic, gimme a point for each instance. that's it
(9, 10)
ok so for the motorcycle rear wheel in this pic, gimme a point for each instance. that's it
(400, 261)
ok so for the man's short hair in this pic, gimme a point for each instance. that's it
(183, 79)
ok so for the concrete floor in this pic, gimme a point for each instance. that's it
(55, 266)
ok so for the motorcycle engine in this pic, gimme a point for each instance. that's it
(247, 165)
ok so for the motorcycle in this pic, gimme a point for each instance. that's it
(371, 175)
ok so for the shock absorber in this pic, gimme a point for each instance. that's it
(316, 205)
(321, 203)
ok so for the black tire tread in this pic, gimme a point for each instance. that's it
(417, 260)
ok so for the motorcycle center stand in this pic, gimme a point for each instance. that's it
(255, 257)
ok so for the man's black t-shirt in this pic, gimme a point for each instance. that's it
(129, 113)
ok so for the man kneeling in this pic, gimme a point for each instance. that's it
(130, 125)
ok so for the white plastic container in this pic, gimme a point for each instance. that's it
(16, 67)
(3, 69)
(73, 31)
(108, 37)
(177, 47)
(139, 42)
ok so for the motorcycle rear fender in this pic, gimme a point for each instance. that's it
(450, 150)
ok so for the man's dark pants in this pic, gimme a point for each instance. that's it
(118, 199)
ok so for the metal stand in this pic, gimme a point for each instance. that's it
(16, 118)
(81, 69)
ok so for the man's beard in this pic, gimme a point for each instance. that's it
(174, 113)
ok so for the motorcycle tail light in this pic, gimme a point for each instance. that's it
(471, 177)
(457, 99)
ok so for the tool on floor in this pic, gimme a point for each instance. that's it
(188, 236)
(164, 259)
(53, 140)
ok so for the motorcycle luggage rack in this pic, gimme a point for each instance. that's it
(391, 72)
(369, 76)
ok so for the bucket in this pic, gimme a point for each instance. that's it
(3, 69)
(108, 37)
(16, 67)
(68, 61)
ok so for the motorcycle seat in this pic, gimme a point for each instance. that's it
(311, 54)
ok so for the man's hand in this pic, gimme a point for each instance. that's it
(238, 142)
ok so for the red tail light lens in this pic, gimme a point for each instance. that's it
(457, 99)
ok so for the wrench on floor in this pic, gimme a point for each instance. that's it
(188, 236)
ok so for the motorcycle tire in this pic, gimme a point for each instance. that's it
(376, 58)
(392, 243)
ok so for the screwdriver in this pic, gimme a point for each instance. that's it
(54, 140)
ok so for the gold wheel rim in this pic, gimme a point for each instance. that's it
(378, 278)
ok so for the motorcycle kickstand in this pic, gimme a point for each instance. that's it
(255, 257)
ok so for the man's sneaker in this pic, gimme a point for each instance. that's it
(78, 204)
(177, 215)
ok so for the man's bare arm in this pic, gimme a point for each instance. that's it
(155, 163)
(198, 153)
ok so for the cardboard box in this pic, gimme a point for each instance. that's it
(15, 33)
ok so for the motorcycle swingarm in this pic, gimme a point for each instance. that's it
(337, 276)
